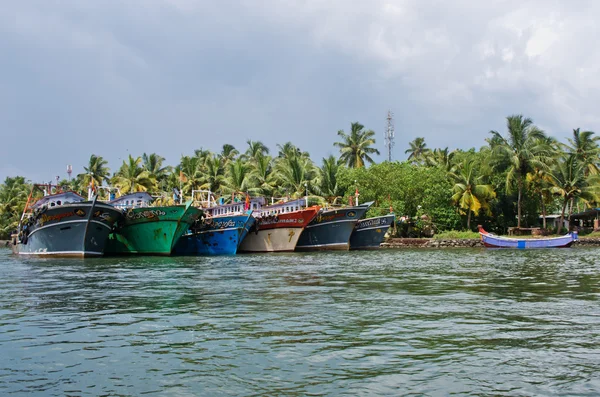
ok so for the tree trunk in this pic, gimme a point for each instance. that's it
(543, 212)
(519, 204)
(562, 216)
(468, 219)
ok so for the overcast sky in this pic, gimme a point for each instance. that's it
(169, 76)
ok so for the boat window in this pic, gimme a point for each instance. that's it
(58, 202)
(52, 204)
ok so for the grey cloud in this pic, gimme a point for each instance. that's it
(115, 78)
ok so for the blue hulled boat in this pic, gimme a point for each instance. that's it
(221, 230)
(369, 233)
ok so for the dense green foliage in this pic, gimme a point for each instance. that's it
(517, 176)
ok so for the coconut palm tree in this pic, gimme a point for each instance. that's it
(13, 197)
(238, 177)
(570, 182)
(262, 175)
(418, 150)
(255, 150)
(132, 177)
(295, 175)
(288, 150)
(524, 148)
(355, 147)
(96, 169)
(584, 145)
(191, 176)
(153, 163)
(328, 186)
(213, 173)
(441, 158)
(469, 193)
(228, 153)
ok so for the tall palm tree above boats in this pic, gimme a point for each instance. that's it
(356, 146)
(133, 177)
(524, 147)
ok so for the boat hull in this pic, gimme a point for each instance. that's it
(277, 234)
(369, 233)
(151, 230)
(331, 230)
(222, 236)
(70, 230)
(493, 241)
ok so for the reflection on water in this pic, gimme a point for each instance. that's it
(420, 322)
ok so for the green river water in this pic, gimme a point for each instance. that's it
(393, 322)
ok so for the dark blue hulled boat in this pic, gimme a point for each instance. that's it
(64, 225)
(493, 241)
(221, 231)
(331, 229)
(369, 233)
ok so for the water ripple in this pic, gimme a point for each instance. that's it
(407, 322)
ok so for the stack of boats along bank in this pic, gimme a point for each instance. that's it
(64, 224)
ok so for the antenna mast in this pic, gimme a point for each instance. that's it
(389, 134)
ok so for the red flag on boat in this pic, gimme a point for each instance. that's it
(247, 204)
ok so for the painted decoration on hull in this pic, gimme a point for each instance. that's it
(152, 231)
(215, 236)
(278, 233)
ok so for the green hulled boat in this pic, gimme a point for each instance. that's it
(145, 230)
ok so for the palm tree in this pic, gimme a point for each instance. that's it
(584, 146)
(228, 153)
(441, 158)
(213, 173)
(255, 150)
(288, 150)
(262, 176)
(153, 163)
(13, 197)
(355, 147)
(328, 186)
(524, 148)
(468, 192)
(569, 181)
(96, 169)
(418, 150)
(238, 177)
(295, 175)
(132, 177)
(191, 176)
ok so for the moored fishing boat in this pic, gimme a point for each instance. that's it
(64, 224)
(331, 229)
(221, 230)
(369, 233)
(493, 241)
(149, 230)
(278, 227)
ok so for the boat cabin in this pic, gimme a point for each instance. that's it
(281, 208)
(52, 200)
(236, 207)
(132, 200)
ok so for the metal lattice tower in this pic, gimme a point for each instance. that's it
(389, 134)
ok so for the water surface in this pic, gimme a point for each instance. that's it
(392, 322)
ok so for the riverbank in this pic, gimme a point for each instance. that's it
(462, 243)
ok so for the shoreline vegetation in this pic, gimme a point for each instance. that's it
(514, 180)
